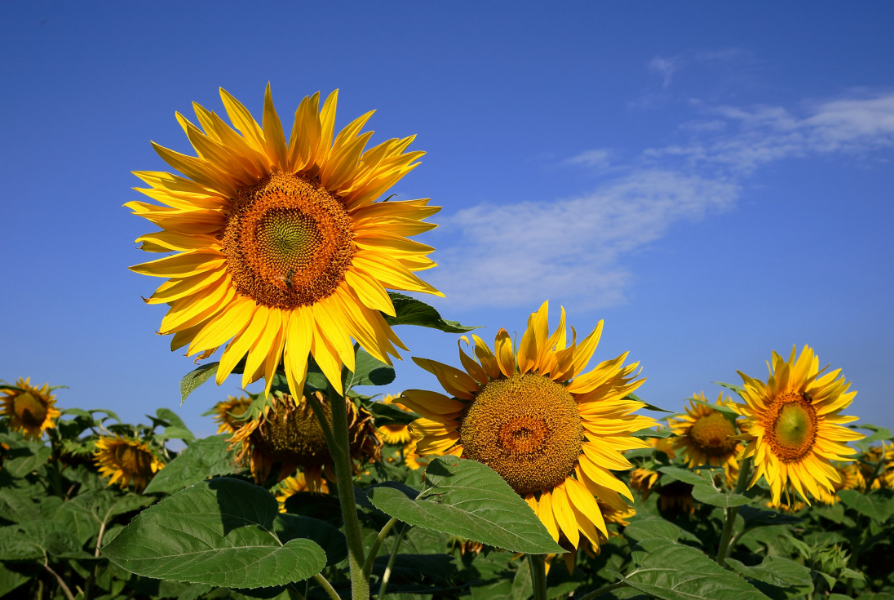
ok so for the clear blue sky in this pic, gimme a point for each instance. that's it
(712, 179)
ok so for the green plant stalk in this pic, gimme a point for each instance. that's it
(330, 591)
(732, 512)
(386, 576)
(371, 557)
(538, 575)
(341, 455)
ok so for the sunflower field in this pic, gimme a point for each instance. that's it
(533, 471)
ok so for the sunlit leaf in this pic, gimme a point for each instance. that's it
(409, 311)
(205, 458)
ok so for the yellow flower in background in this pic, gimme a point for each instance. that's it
(280, 246)
(643, 480)
(705, 437)
(793, 428)
(412, 458)
(227, 412)
(30, 409)
(288, 434)
(396, 433)
(553, 432)
(128, 462)
(883, 475)
(290, 486)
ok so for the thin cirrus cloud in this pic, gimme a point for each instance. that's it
(506, 254)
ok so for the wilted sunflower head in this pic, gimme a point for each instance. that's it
(290, 486)
(793, 428)
(395, 433)
(289, 434)
(228, 413)
(551, 431)
(127, 461)
(279, 245)
(30, 410)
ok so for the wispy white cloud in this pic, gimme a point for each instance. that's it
(597, 158)
(508, 255)
(665, 67)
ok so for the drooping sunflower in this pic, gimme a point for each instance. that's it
(227, 412)
(290, 486)
(551, 431)
(288, 434)
(705, 437)
(30, 410)
(395, 433)
(280, 246)
(793, 428)
(126, 461)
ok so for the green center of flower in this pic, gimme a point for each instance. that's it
(527, 429)
(31, 410)
(288, 241)
(792, 430)
(710, 434)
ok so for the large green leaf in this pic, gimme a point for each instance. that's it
(758, 517)
(779, 578)
(877, 505)
(220, 532)
(709, 495)
(26, 459)
(205, 458)
(11, 578)
(657, 528)
(290, 527)
(195, 378)
(469, 499)
(369, 371)
(27, 541)
(674, 572)
(16, 506)
(409, 311)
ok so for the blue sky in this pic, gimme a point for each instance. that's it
(712, 179)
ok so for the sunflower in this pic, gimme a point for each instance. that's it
(552, 433)
(396, 433)
(290, 486)
(793, 427)
(280, 246)
(878, 465)
(705, 437)
(126, 461)
(288, 433)
(29, 409)
(228, 413)
(411, 458)
(643, 480)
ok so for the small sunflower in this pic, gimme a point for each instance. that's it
(878, 465)
(705, 437)
(643, 480)
(290, 486)
(288, 433)
(396, 433)
(126, 461)
(551, 431)
(793, 427)
(279, 244)
(411, 458)
(228, 412)
(30, 410)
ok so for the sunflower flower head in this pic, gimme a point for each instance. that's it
(290, 486)
(280, 248)
(878, 465)
(288, 434)
(553, 432)
(29, 409)
(706, 436)
(126, 461)
(228, 413)
(793, 428)
(395, 433)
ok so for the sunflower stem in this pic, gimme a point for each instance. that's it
(386, 576)
(538, 575)
(324, 583)
(732, 512)
(371, 557)
(340, 448)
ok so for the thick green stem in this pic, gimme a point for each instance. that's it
(371, 557)
(340, 448)
(603, 590)
(732, 512)
(538, 575)
(386, 576)
(324, 583)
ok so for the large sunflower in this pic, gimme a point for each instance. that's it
(280, 246)
(289, 435)
(553, 433)
(30, 409)
(705, 437)
(793, 427)
(126, 461)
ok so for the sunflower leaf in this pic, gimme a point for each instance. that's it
(777, 577)
(369, 371)
(877, 505)
(409, 311)
(195, 378)
(220, 532)
(739, 390)
(706, 494)
(388, 414)
(26, 459)
(200, 460)
(652, 407)
(469, 499)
